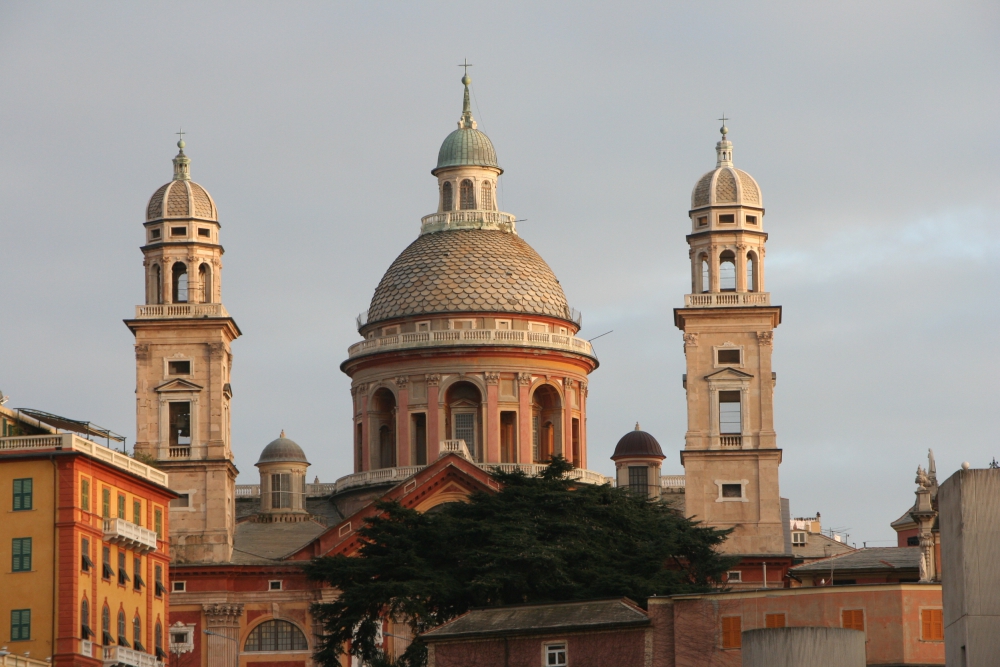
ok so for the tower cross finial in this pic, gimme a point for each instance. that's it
(181, 134)
(724, 130)
(466, 64)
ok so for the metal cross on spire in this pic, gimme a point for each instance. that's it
(466, 64)
(180, 142)
(724, 130)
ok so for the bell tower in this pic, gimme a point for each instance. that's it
(183, 359)
(730, 455)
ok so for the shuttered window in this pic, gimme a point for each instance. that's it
(85, 494)
(158, 523)
(774, 620)
(731, 628)
(853, 619)
(106, 503)
(22, 554)
(22, 494)
(20, 625)
(931, 625)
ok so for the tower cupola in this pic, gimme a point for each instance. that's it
(282, 467)
(637, 459)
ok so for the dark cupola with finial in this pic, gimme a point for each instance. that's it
(637, 460)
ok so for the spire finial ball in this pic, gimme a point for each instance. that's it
(966, 466)
(724, 130)
(181, 144)
(466, 80)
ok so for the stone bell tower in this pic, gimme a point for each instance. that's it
(730, 456)
(183, 358)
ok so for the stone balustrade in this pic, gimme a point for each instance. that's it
(164, 311)
(119, 655)
(70, 441)
(129, 535)
(727, 299)
(731, 441)
(439, 222)
(672, 482)
(462, 337)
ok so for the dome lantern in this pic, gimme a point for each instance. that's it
(637, 460)
(282, 465)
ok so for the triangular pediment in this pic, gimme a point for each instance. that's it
(728, 374)
(178, 384)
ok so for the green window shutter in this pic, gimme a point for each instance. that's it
(85, 494)
(121, 506)
(22, 494)
(137, 512)
(21, 549)
(20, 624)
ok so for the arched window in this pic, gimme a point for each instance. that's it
(468, 200)
(447, 197)
(463, 402)
(705, 277)
(727, 271)
(180, 283)
(383, 409)
(155, 285)
(487, 196)
(158, 641)
(205, 276)
(751, 273)
(385, 446)
(546, 408)
(106, 637)
(137, 634)
(276, 636)
(85, 630)
(122, 629)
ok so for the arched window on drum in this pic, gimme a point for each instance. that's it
(273, 636)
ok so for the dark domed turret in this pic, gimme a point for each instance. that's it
(637, 443)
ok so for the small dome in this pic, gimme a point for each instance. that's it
(466, 147)
(726, 185)
(637, 443)
(282, 450)
(181, 199)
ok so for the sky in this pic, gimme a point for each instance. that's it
(314, 125)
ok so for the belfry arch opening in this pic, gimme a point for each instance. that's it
(463, 416)
(179, 283)
(205, 278)
(447, 197)
(486, 197)
(155, 285)
(753, 284)
(727, 271)
(703, 275)
(383, 415)
(468, 195)
(546, 422)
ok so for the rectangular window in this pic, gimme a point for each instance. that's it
(504, 325)
(85, 563)
(931, 625)
(180, 586)
(20, 625)
(22, 494)
(751, 219)
(85, 494)
(728, 217)
(178, 231)
(158, 523)
(274, 585)
(798, 539)
(508, 437)
(106, 503)
(107, 572)
(158, 578)
(465, 429)
(774, 620)
(180, 424)
(638, 479)
(463, 324)
(204, 232)
(123, 577)
(137, 581)
(729, 356)
(423, 326)
(179, 368)
(853, 619)
(390, 331)
(21, 554)
(154, 234)
(731, 628)
(182, 500)
(555, 655)
(281, 490)
(702, 221)
(732, 490)
(730, 416)
(734, 576)
(121, 506)
(538, 327)
(420, 437)
(137, 512)
(534, 438)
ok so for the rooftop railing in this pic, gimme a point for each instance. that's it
(446, 220)
(451, 337)
(71, 442)
(163, 311)
(727, 299)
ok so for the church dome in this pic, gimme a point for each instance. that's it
(466, 147)
(181, 197)
(468, 271)
(726, 185)
(282, 450)
(637, 443)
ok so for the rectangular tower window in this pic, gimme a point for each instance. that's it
(359, 463)
(182, 500)
(281, 490)
(702, 221)
(204, 232)
(732, 490)
(751, 219)
(21, 550)
(538, 327)
(178, 231)
(423, 326)
(638, 479)
(508, 437)
(465, 429)
(463, 324)
(420, 438)
(729, 356)
(503, 325)
(23, 494)
(179, 368)
(730, 415)
(180, 424)
(154, 234)
(728, 217)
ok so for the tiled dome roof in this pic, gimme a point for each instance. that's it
(282, 450)
(466, 147)
(637, 443)
(468, 271)
(181, 199)
(726, 185)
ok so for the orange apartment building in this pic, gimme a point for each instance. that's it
(83, 546)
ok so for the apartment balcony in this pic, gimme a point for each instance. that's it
(129, 535)
(727, 299)
(472, 338)
(71, 442)
(169, 311)
(115, 656)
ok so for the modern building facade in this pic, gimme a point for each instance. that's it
(84, 534)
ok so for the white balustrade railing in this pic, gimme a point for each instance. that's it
(455, 447)
(158, 311)
(439, 222)
(312, 490)
(121, 531)
(69, 441)
(672, 481)
(731, 441)
(119, 655)
(723, 299)
(450, 337)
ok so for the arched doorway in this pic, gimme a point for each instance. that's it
(463, 416)
(383, 415)
(546, 423)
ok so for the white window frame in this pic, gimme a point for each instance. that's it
(510, 325)
(555, 646)
(728, 346)
(801, 534)
(563, 331)
(743, 490)
(178, 586)
(533, 327)
(471, 321)
(180, 647)
(423, 325)
(166, 367)
(391, 331)
(735, 576)
(272, 582)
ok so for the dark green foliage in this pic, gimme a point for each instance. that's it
(538, 539)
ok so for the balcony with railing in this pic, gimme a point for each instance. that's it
(119, 655)
(71, 442)
(129, 535)
(731, 441)
(471, 337)
(164, 311)
(439, 222)
(727, 299)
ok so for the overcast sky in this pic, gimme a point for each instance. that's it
(869, 127)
